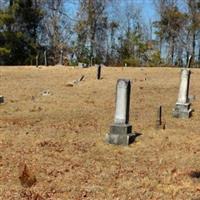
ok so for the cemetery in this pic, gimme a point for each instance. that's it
(59, 142)
(99, 100)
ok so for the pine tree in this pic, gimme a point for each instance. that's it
(18, 35)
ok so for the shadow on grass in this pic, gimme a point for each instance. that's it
(132, 139)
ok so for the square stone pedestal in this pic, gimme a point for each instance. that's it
(182, 110)
(120, 134)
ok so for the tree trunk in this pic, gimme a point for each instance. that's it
(171, 51)
(193, 45)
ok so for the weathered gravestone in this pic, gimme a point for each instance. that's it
(82, 65)
(1, 99)
(99, 72)
(121, 130)
(160, 124)
(159, 117)
(182, 108)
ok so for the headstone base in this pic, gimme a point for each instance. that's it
(1, 99)
(120, 134)
(182, 111)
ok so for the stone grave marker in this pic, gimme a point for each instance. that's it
(121, 130)
(99, 72)
(182, 108)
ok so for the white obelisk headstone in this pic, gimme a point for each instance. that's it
(121, 130)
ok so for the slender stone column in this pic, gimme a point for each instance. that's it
(121, 130)
(99, 72)
(184, 84)
(159, 117)
(182, 109)
(122, 102)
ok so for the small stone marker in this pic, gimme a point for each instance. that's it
(182, 108)
(159, 117)
(1, 99)
(45, 58)
(99, 72)
(46, 93)
(159, 121)
(121, 130)
(82, 65)
(74, 82)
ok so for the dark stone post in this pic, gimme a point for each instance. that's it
(99, 72)
(159, 117)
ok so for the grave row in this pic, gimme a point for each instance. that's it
(121, 131)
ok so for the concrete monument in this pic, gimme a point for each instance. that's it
(182, 108)
(121, 130)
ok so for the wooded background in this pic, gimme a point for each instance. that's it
(112, 32)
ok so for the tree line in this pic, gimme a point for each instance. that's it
(112, 32)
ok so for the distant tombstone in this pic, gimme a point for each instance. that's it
(36, 60)
(159, 117)
(159, 121)
(182, 108)
(82, 65)
(1, 99)
(45, 58)
(125, 65)
(99, 72)
(121, 130)
(61, 57)
(85, 65)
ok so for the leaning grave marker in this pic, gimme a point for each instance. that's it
(182, 108)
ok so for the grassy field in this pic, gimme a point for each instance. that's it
(60, 136)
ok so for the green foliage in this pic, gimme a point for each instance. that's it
(132, 62)
(133, 48)
(18, 32)
(155, 59)
(4, 51)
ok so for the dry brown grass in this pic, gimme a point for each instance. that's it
(61, 136)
